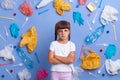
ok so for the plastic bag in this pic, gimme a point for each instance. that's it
(90, 61)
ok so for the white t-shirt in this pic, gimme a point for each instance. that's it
(62, 50)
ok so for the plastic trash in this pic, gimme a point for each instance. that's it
(8, 4)
(92, 37)
(14, 29)
(77, 17)
(27, 60)
(24, 75)
(110, 51)
(43, 3)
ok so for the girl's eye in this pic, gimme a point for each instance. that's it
(63, 30)
(66, 30)
(60, 30)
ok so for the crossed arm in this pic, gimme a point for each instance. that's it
(54, 59)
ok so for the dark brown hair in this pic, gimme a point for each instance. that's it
(61, 25)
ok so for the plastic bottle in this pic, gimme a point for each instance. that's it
(27, 60)
(92, 37)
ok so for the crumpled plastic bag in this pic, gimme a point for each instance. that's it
(112, 67)
(41, 74)
(8, 4)
(6, 53)
(61, 6)
(108, 15)
(29, 39)
(90, 61)
(26, 9)
(24, 74)
(77, 72)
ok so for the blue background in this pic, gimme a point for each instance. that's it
(45, 29)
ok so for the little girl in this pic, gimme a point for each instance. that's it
(62, 53)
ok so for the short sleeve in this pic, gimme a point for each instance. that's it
(73, 48)
(52, 46)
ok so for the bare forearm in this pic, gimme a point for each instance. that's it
(55, 61)
(65, 60)
(52, 59)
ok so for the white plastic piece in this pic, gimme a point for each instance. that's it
(24, 74)
(20, 64)
(2, 37)
(112, 66)
(90, 28)
(43, 3)
(99, 71)
(104, 44)
(93, 21)
(6, 53)
(6, 31)
(8, 72)
(92, 74)
(26, 20)
(114, 29)
(108, 15)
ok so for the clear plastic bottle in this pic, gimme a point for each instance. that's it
(92, 37)
(27, 60)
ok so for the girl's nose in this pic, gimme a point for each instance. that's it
(63, 32)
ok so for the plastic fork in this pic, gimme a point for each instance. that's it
(93, 21)
(92, 74)
(9, 72)
(6, 31)
(99, 71)
(90, 28)
(20, 64)
(104, 44)
(2, 37)
(26, 20)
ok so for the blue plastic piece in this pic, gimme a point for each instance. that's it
(110, 51)
(43, 11)
(100, 3)
(27, 60)
(14, 29)
(92, 37)
(78, 17)
(37, 57)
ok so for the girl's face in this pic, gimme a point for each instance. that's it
(63, 34)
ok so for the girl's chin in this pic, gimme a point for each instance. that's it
(64, 39)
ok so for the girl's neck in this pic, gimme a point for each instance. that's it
(62, 41)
